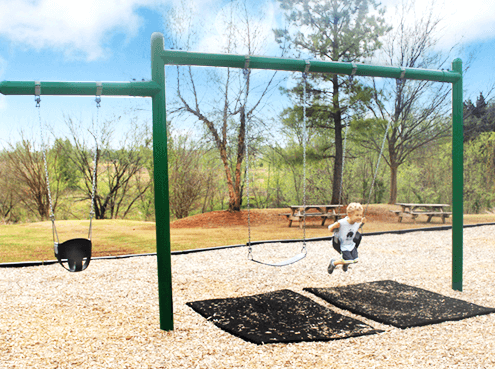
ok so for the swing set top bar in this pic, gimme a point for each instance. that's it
(174, 57)
(141, 88)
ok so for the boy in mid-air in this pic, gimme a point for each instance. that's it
(346, 237)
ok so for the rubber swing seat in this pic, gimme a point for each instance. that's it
(336, 242)
(76, 252)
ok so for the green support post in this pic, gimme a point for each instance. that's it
(160, 165)
(457, 178)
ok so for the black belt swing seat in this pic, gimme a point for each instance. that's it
(76, 252)
(303, 253)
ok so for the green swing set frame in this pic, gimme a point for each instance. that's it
(156, 90)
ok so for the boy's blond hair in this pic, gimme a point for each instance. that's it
(354, 206)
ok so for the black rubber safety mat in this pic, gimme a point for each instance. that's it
(398, 304)
(279, 317)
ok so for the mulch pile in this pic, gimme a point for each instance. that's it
(225, 218)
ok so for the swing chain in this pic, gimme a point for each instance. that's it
(37, 99)
(377, 166)
(246, 142)
(305, 77)
(95, 158)
(344, 150)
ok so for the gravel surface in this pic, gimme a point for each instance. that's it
(107, 316)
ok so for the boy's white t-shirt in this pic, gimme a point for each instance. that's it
(346, 233)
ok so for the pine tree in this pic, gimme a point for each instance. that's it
(333, 30)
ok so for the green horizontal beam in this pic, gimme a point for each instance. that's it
(174, 57)
(145, 89)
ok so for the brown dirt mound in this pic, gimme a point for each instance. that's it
(225, 218)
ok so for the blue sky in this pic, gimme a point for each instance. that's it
(109, 40)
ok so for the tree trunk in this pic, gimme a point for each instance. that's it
(393, 184)
(233, 197)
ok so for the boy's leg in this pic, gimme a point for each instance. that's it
(334, 263)
(336, 246)
(349, 257)
(331, 266)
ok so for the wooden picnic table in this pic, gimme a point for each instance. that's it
(324, 212)
(430, 210)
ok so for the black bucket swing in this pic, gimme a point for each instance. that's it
(75, 254)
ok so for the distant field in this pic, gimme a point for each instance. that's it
(33, 241)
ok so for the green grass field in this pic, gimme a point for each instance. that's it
(33, 241)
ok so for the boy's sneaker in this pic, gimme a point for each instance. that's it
(331, 267)
(345, 267)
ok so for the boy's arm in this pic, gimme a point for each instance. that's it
(334, 226)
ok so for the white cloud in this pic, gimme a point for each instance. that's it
(462, 22)
(209, 25)
(80, 28)
(77, 27)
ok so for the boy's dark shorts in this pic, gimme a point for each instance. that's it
(350, 256)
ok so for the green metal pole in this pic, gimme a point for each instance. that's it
(457, 178)
(175, 57)
(145, 88)
(160, 165)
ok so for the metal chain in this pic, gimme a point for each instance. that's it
(343, 163)
(377, 166)
(37, 99)
(351, 78)
(246, 141)
(45, 161)
(305, 76)
(95, 165)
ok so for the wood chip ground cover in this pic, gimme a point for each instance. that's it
(107, 316)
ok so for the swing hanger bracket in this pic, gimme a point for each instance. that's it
(247, 61)
(306, 69)
(354, 69)
(99, 91)
(37, 93)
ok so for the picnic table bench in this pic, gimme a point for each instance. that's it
(300, 212)
(414, 210)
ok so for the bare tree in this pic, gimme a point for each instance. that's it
(28, 172)
(418, 110)
(9, 198)
(226, 115)
(117, 169)
(186, 179)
